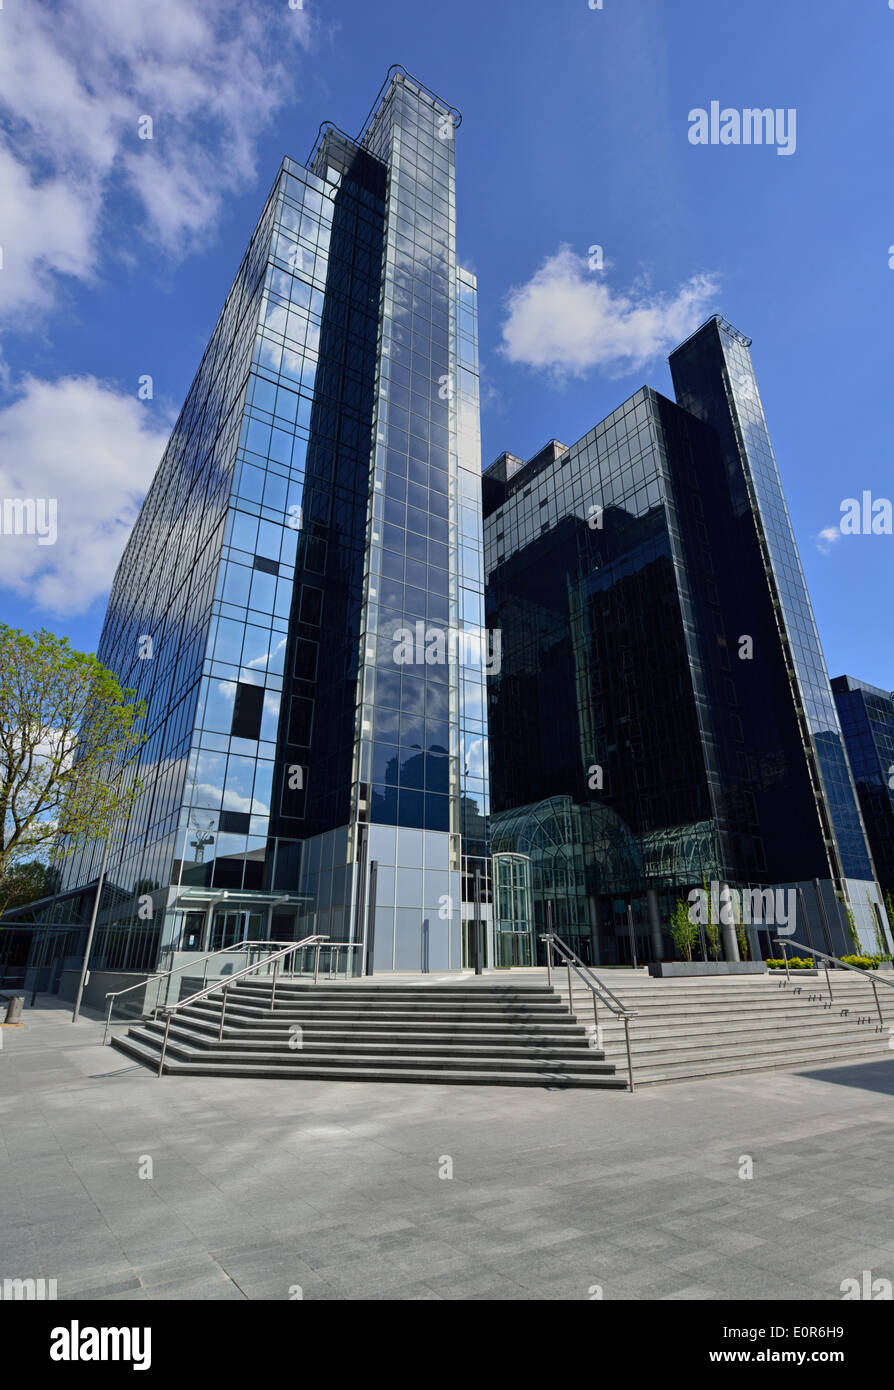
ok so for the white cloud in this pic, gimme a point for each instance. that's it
(94, 450)
(475, 758)
(74, 81)
(46, 227)
(205, 794)
(566, 321)
(827, 538)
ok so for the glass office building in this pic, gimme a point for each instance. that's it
(867, 722)
(306, 769)
(663, 719)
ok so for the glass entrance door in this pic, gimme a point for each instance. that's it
(231, 927)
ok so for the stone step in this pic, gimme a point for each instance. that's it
(666, 1029)
(795, 1005)
(387, 1058)
(335, 990)
(509, 1034)
(409, 1005)
(299, 1012)
(646, 1052)
(576, 1050)
(318, 1070)
(669, 990)
(826, 1057)
(417, 1023)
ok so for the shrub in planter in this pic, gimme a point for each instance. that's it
(684, 932)
(795, 963)
(863, 962)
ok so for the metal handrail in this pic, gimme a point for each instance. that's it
(112, 995)
(171, 1009)
(873, 979)
(339, 946)
(598, 989)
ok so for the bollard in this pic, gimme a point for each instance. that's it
(14, 1009)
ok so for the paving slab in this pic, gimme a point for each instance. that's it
(260, 1187)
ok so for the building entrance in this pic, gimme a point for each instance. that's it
(230, 927)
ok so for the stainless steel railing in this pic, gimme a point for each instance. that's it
(334, 967)
(599, 990)
(240, 946)
(873, 979)
(171, 1009)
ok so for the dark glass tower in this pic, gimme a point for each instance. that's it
(663, 718)
(319, 496)
(867, 722)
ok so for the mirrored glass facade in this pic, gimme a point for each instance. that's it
(867, 722)
(649, 711)
(319, 499)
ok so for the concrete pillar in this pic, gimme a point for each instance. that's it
(595, 928)
(14, 1008)
(206, 928)
(654, 923)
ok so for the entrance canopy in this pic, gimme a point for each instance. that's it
(221, 916)
(239, 898)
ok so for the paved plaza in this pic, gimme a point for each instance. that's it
(288, 1189)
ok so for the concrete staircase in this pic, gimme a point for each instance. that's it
(483, 1033)
(695, 1027)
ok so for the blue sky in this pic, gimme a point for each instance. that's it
(118, 253)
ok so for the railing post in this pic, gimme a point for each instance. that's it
(881, 1017)
(273, 988)
(549, 944)
(316, 962)
(784, 945)
(595, 1013)
(223, 1010)
(629, 1056)
(164, 1046)
(108, 1021)
(828, 981)
(570, 996)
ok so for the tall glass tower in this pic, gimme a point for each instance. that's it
(306, 768)
(867, 722)
(663, 718)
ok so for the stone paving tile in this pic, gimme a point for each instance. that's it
(408, 1293)
(262, 1186)
(109, 1289)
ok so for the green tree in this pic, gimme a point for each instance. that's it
(65, 727)
(26, 881)
(684, 932)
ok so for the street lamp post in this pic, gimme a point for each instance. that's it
(92, 928)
